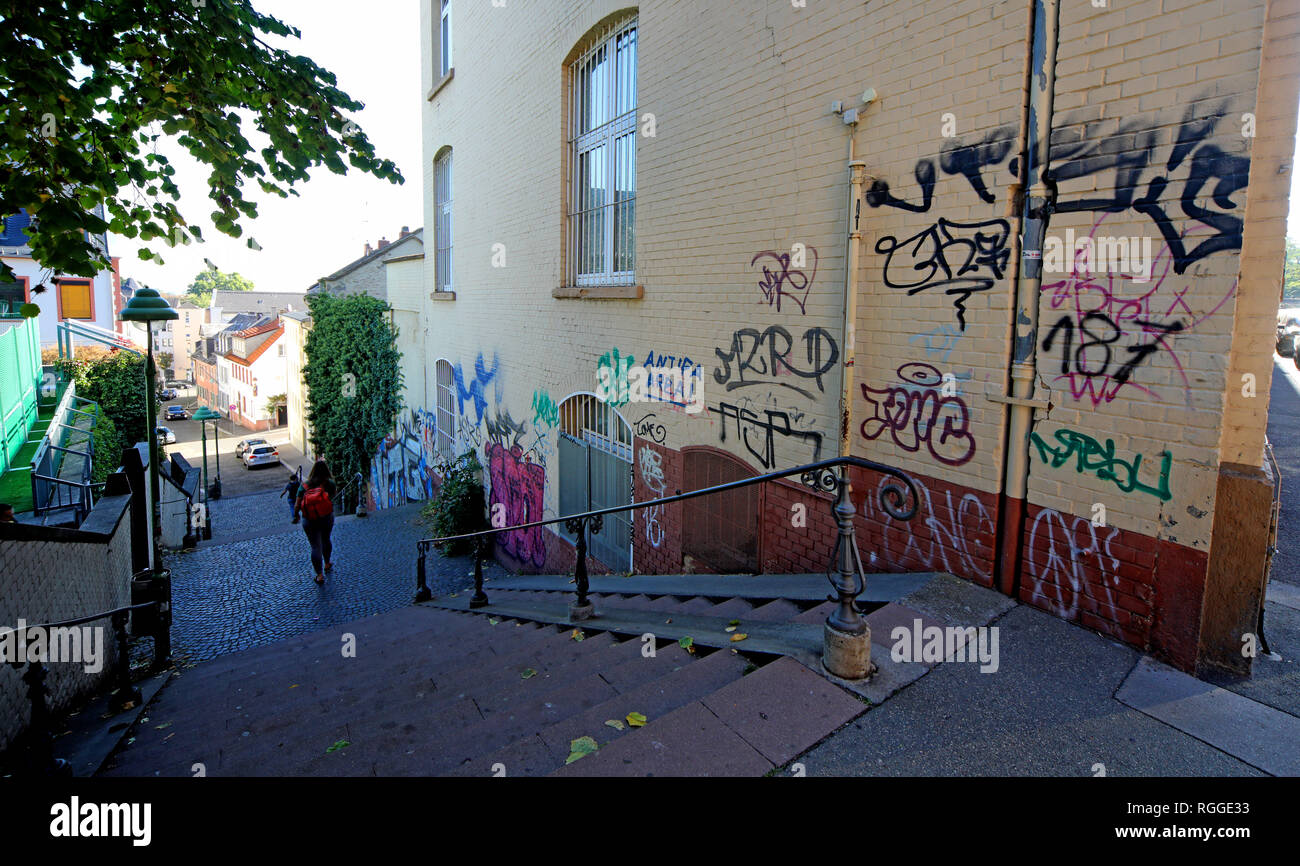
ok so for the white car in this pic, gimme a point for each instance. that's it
(165, 435)
(243, 445)
(261, 455)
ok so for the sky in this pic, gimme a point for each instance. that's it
(374, 50)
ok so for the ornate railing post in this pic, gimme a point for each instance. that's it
(126, 693)
(846, 638)
(582, 608)
(40, 736)
(421, 577)
(479, 598)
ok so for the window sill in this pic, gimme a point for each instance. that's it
(442, 296)
(600, 293)
(440, 84)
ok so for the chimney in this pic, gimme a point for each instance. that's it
(368, 249)
(406, 230)
(382, 242)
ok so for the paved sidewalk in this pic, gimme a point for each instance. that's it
(235, 592)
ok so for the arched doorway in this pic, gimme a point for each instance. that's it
(720, 532)
(595, 457)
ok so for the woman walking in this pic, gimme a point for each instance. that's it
(316, 505)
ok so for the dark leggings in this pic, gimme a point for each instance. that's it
(318, 535)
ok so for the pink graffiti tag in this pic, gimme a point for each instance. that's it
(783, 281)
(520, 486)
(916, 412)
(1103, 337)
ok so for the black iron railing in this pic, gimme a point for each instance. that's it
(36, 746)
(898, 498)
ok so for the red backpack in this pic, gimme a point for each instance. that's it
(316, 503)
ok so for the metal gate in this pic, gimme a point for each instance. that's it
(595, 455)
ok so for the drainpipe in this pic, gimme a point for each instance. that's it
(1036, 209)
(846, 639)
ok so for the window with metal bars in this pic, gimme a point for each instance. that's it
(442, 222)
(602, 183)
(446, 444)
(444, 40)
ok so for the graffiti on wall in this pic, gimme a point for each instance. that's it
(957, 258)
(1061, 553)
(958, 537)
(1106, 333)
(648, 427)
(474, 389)
(1095, 458)
(767, 357)
(401, 470)
(917, 412)
(939, 341)
(758, 434)
(781, 280)
(519, 486)
(652, 475)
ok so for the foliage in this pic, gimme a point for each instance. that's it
(117, 383)
(108, 447)
(91, 86)
(353, 380)
(212, 280)
(275, 401)
(1291, 274)
(458, 507)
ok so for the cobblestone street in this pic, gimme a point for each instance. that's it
(251, 584)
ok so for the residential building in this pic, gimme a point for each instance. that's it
(367, 274)
(225, 305)
(251, 370)
(203, 361)
(182, 333)
(296, 326)
(698, 179)
(222, 343)
(61, 297)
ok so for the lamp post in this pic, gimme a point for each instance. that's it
(147, 306)
(203, 415)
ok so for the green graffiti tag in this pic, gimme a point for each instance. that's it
(1091, 456)
(545, 412)
(612, 383)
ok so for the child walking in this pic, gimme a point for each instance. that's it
(316, 505)
(291, 488)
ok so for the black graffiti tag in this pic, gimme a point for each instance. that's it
(763, 444)
(761, 357)
(959, 258)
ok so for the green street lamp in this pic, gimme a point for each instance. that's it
(147, 306)
(204, 415)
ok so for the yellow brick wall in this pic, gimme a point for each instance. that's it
(748, 158)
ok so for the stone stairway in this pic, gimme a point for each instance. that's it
(432, 690)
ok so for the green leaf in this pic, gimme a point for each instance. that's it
(636, 720)
(615, 724)
(686, 643)
(29, 311)
(578, 635)
(528, 674)
(581, 748)
(339, 744)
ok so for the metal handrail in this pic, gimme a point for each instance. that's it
(887, 493)
(85, 619)
(897, 502)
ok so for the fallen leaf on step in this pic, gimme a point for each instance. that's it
(528, 673)
(339, 744)
(688, 644)
(581, 748)
(578, 635)
(740, 635)
(169, 736)
(162, 727)
(615, 724)
(492, 621)
(294, 686)
(734, 622)
(729, 628)
(636, 720)
(667, 621)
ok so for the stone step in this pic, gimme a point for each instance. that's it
(547, 751)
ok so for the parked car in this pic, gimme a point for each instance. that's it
(1288, 331)
(165, 435)
(261, 455)
(175, 413)
(245, 444)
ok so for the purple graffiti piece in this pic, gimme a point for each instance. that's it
(913, 411)
(519, 486)
(774, 282)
